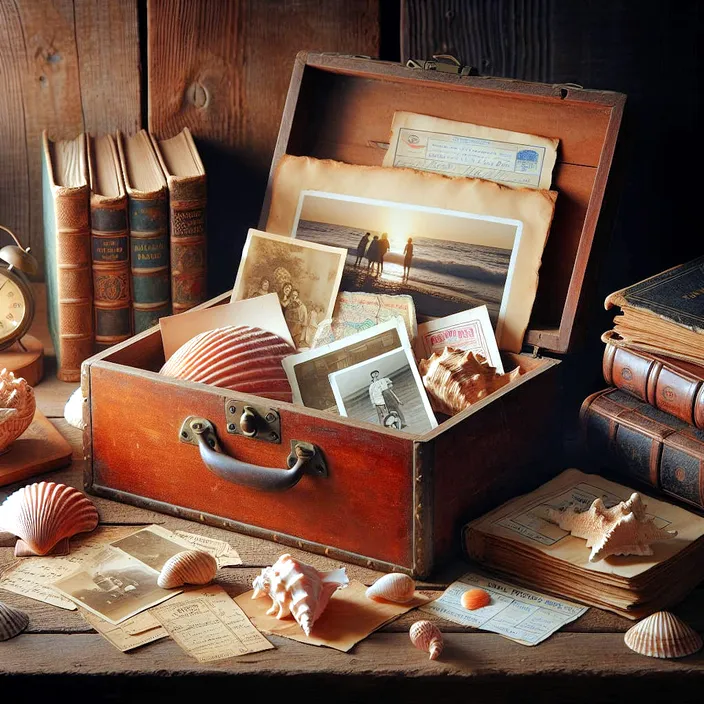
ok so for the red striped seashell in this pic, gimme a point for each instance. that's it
(43, 514)
(239, 358)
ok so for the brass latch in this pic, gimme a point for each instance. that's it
(445, 63)
(252, 421)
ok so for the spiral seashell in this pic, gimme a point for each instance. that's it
(456, 379)
(474, 599)
(43, 514)
(239, 358)
(427, 636)
(187, 567)
(663, 635)
(297, 590)
(17, 407)
(396, 587)
(12, 621)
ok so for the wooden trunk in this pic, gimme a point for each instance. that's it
(388, 500)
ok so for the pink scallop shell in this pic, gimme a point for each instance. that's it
(43, 514)
(239, 358)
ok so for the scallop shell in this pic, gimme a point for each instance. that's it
(17, 406)
(239, 358)
(474, 599)
(297, 590)
(456, 379)
(187, 567)
(427, 636)
(396, 587)
(623, 529)
(43, 514)
(663, 635)
(12, 621)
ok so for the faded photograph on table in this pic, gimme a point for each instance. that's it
(305, 276)
(153, 546)
(385, 390)
(448, 261)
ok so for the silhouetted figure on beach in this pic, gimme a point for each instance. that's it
(407, 258)
(373, 255)
(384, 246)
(361, 249)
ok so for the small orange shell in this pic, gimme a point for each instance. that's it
(427, 636)
(187, 567)
(474, 599)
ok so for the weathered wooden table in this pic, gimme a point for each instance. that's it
(585, 661)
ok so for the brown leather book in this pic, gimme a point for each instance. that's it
(67, 247)
(674, 386)
(110, 244)
(187, 191)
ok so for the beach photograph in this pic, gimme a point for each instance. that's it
(447, 261)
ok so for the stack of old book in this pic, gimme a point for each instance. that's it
(130, 210)
(521, 540)
(649, 426)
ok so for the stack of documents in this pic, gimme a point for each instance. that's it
(517, 540)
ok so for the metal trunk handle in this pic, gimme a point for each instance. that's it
(305, 458)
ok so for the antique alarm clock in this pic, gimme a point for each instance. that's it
(19, 352)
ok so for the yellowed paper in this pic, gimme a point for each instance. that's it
(263, 312)
(348, 618)
(462, 149)
(519, 614)
(523, 520)
(209, 625)
(528, 213)
(33, 576)
(139, 624)
(122, 636)
(224, 553)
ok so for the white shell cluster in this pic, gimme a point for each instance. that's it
(663, 635)
(43, 514)
(297, 590)
(395, 587)
(187, 567)
(17, 406)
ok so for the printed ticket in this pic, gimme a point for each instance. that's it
(462, 149)
(519, 614)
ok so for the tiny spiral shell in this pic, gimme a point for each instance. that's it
(187, 567)
(427, 636)
(396, 587)
(663, 635)
(12, 621)
(42, 514)
(474, 599)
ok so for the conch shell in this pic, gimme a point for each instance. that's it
(235, 357)
(396, 587)
(297, 589)
(663, 635)
(456, 379)
(17, 406)
(43, 514)
(427, 636)
(187, 567)
(12, 621)
(623, 529)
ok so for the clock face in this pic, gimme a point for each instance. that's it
(13, 307)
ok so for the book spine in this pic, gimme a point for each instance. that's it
(111, 272)
(626, 439)
(149, 256)
(655, 382)
(188, 243)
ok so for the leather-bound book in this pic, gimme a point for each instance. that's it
(635, 440)
(67, 249)
(663, 314)
(187, 190)
(147, 194)
(110, 244)
(674, 386)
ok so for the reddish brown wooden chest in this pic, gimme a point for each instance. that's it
(384, 499)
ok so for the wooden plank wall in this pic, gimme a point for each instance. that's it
(222, 68)
(67, 66)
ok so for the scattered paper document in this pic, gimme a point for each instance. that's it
(223, 552)
(122, 636)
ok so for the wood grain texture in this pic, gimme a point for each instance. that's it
(66, 66)
(222, 68)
